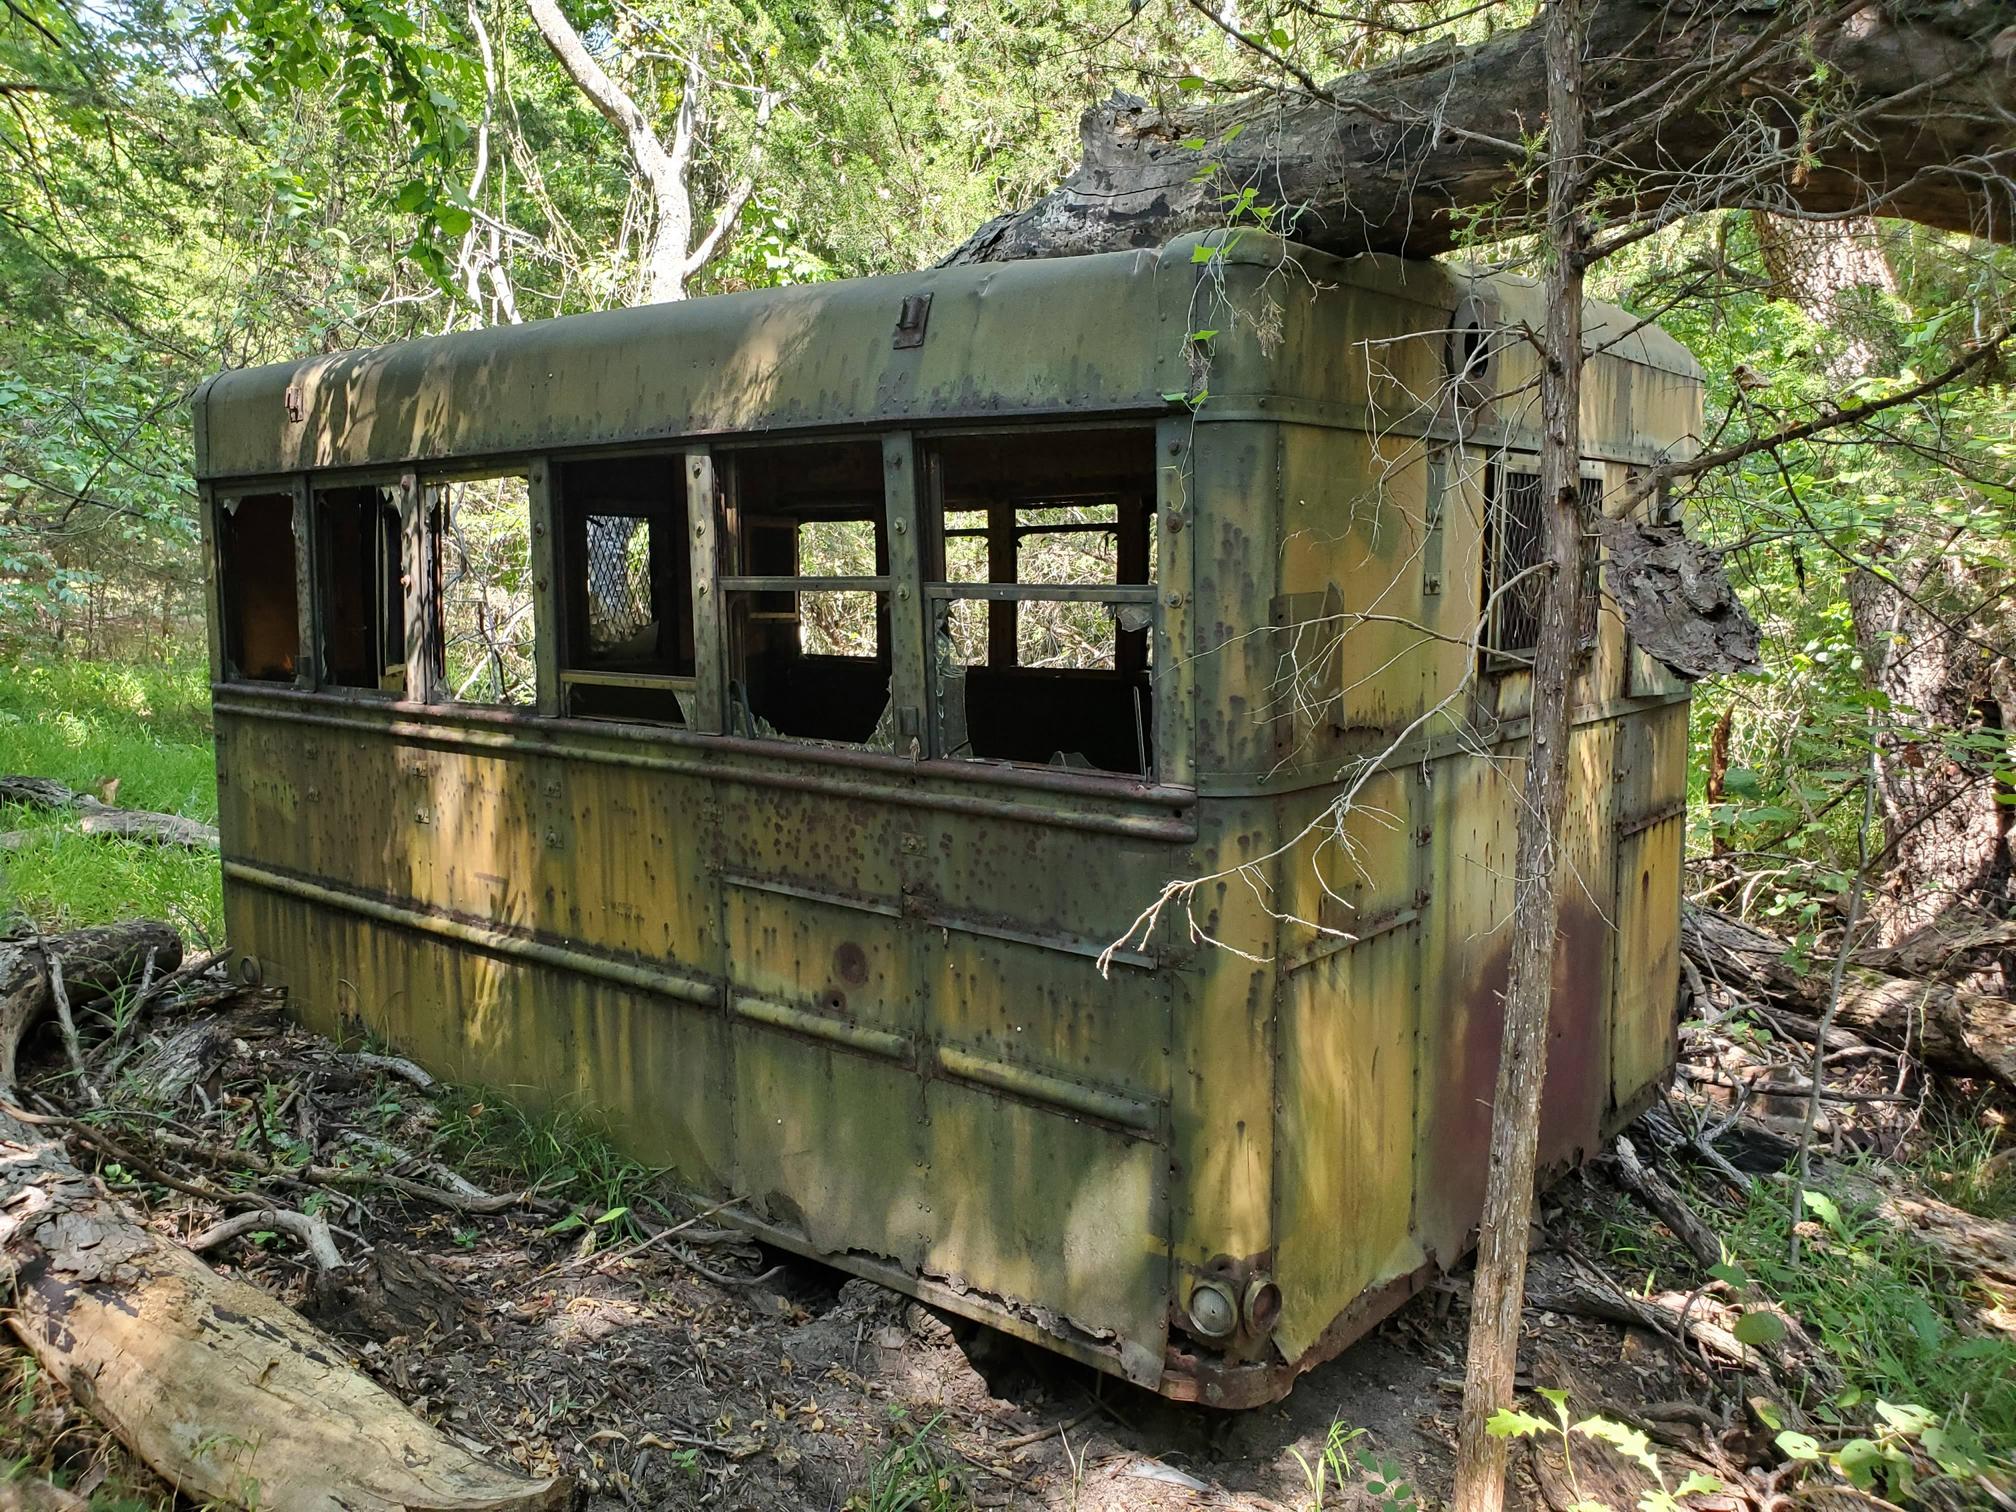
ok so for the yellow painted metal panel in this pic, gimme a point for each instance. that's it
(1061, 1218)
(1346, 1135)
(1644, 1030)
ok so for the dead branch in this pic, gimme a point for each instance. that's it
(96, 818)
(1950, 1029)
(97, 961)
(1670, 1207)
(310, 1228)
(230, 1396)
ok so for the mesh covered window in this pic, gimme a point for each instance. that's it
(1514, 545)
(627, 592)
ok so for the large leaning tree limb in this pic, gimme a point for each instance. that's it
(1820, 107)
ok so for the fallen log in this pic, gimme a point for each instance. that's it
(226, 1393)
(1888, 108)
(1949, 1028)
(97, 818)
(96, 962)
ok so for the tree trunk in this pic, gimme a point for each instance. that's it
(1498, 1290)
(227, 1394)
(1709, 105)
(1932, 649)
(663, 171)
(1952, 702)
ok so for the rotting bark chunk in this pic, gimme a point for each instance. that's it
(1676, 600)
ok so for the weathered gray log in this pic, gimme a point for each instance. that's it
(1716, 103)
(97, 962)
(230, 1396)
(96, 818)
(1948, 1028)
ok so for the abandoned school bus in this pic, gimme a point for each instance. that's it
(752, 718)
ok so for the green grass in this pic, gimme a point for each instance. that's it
(915, 1475)
(564, 1152)
(1959, 1162)
(82, 723)
(1899, 1325)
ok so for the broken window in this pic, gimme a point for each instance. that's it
(627, 647)
(1043, 597)
(258, 602)
(482, 531)
(359, 552)
(1514, 545)
(805, 564)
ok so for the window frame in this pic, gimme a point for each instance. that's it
(221, 498)
(397, 485)
(556, 527)
(910, 596)
(1496, 657)
(1003, 534)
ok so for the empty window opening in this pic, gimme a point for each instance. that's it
(359, 566)
(482, 530)
(1043, 599)
(627, 650)
(1514, 546)
(258, 599)
(805, 564)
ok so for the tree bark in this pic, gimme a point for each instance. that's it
(227, 1394)
(1715, 104)
(1952, 702)
(1498, 1290)
(1950, 1029)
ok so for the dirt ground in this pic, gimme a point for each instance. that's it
(691, 1367)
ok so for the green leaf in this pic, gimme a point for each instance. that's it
(1823, 1205)
(1195, 144)
(1759, 1328)
(1204, 335)
(1629, 1442)
(1909, 1419)
(612, 1215)
(1190, 84)
(1767, 1413)
(1798, 1446)
(1203, 254)
(1508, 1423)
(1730, 1272)
(452, 220)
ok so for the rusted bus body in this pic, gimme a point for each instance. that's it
(848, 978)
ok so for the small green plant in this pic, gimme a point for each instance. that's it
(561, 1151)
(1897, 1324)
(1632, 1443)
(1336, 1466)
(1884, 1456)
(913, 1476)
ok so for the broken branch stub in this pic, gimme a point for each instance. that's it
(1677, 602)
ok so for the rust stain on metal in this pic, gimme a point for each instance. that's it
(840, 965)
